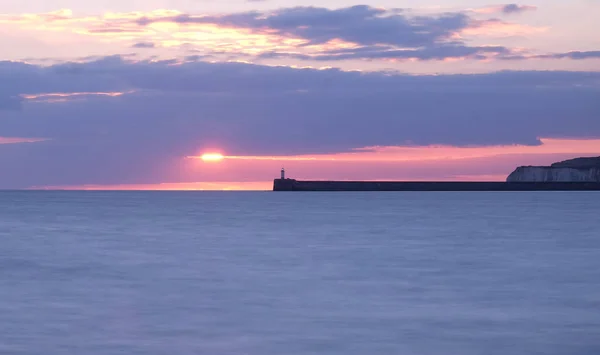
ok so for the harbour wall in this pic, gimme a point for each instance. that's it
(299, 185)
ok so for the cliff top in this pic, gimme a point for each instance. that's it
(585, 169)
(579, 163)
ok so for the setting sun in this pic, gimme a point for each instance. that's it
(212, 157)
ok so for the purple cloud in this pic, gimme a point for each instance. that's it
(572, 55)
(378, 33)
(359, 24)
(516, 9)
(176, 110)
(144, 45)
(382, 52)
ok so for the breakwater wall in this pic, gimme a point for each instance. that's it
(299, 185)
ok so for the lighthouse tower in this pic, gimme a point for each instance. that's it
(282, 174)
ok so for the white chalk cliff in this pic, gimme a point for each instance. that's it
(574, 170)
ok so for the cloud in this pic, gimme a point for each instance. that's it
(382, 52)
(177, 186)
(386, 33)
(69, 96)
(494, 28)
(174, 110)
(113, 30)
(507, 9)
(572, 55)
(516, 9)
(299, 34)
(144, 45)
(59, 16)
(361, 24)
(365, 32)
(18, 140)
(435, 53)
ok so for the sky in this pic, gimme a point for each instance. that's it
(130, 94)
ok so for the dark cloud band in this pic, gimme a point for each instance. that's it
(174, 110)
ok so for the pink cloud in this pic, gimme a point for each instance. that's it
(497, 28)
(491, 163)
(176, 186)
(440, 163)
(54, 97)
(17, 140)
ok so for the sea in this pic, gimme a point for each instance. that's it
(284, 273)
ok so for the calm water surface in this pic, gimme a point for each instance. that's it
(299, 273)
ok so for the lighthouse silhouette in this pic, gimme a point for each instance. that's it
(282, 174)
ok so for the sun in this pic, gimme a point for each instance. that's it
(212, 157)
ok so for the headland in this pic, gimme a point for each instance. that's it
(581, 174)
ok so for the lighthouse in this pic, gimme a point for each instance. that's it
(282, 174)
